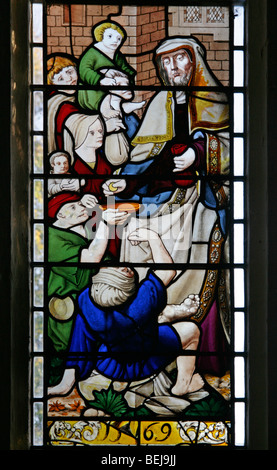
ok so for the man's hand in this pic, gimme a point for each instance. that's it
(115, 217)
(88, 200)
(142, 235)
(159, 251)
(70, 184)
(184, 161)
(114, 124)
(110, 187)
(111, 73)
(107, 81)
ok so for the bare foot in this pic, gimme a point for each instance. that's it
(184, 310)
(65, 385)
(132, 106)
(183, 386)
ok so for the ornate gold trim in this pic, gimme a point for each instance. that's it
(212, 275)
(145, 139)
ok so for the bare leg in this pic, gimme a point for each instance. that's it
(65, 385)
(187, 381)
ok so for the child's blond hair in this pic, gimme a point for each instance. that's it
(55, 64)
(101, 28)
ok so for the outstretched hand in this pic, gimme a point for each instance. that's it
(110, 187)
(88, 200)
(115, 217)
(142, 235)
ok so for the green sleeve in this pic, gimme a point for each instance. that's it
(65, 246)
(123, 65)
(90, 64)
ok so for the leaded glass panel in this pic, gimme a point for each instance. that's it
(138, 222)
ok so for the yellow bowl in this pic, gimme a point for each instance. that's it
(122, 206)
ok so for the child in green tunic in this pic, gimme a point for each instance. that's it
(98, 65)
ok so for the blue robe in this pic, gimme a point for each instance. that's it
(125, 342)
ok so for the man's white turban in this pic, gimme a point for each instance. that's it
(110, 287)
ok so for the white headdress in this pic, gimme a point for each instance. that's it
(110, 287)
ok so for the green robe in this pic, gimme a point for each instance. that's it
(70, 280)
(91, 62)
(66, 246)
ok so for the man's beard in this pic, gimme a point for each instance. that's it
(182, 81)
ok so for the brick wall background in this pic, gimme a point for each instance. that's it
(145, 27)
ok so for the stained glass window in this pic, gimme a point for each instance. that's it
(138, 249)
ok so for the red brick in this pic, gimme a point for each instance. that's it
(58, 31)
(157, 36)
(143, 76)
(151, 46)
(150, 82)
(219, 46)
(78, 50)
(77, 31)
(206, 45)
(148, 9)
(59, 21)
(207, 37)
(157, 16)
(55, 10)
(60, 49)
(222, 75)
(215, 64)
(51, 21)
(64, 41)
(161, 25)
(144, 58)
(147, 66)
(52, 41)
(98, 19)
(222, 55)
(210, 55)
(82, 41)
(143, 19)
(108, 9)
(94, 10)
(149, 28)
(143, 39)
(87, 31)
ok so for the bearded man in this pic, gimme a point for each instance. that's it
(184, 137)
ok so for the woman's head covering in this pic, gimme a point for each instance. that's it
(76, 130)
(110, 287)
